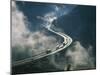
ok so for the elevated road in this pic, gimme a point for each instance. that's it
(67, 41)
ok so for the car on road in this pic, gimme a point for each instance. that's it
(48, 51)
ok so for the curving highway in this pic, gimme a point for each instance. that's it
(67, 41)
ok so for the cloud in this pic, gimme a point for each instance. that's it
(77, 56)
(80, 57)
(19, 26)
(22, 37)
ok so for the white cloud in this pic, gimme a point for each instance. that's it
(79, 57)
(76, 55)
(19, 26)
(21, 36)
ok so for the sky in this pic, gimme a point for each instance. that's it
(29, 37)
